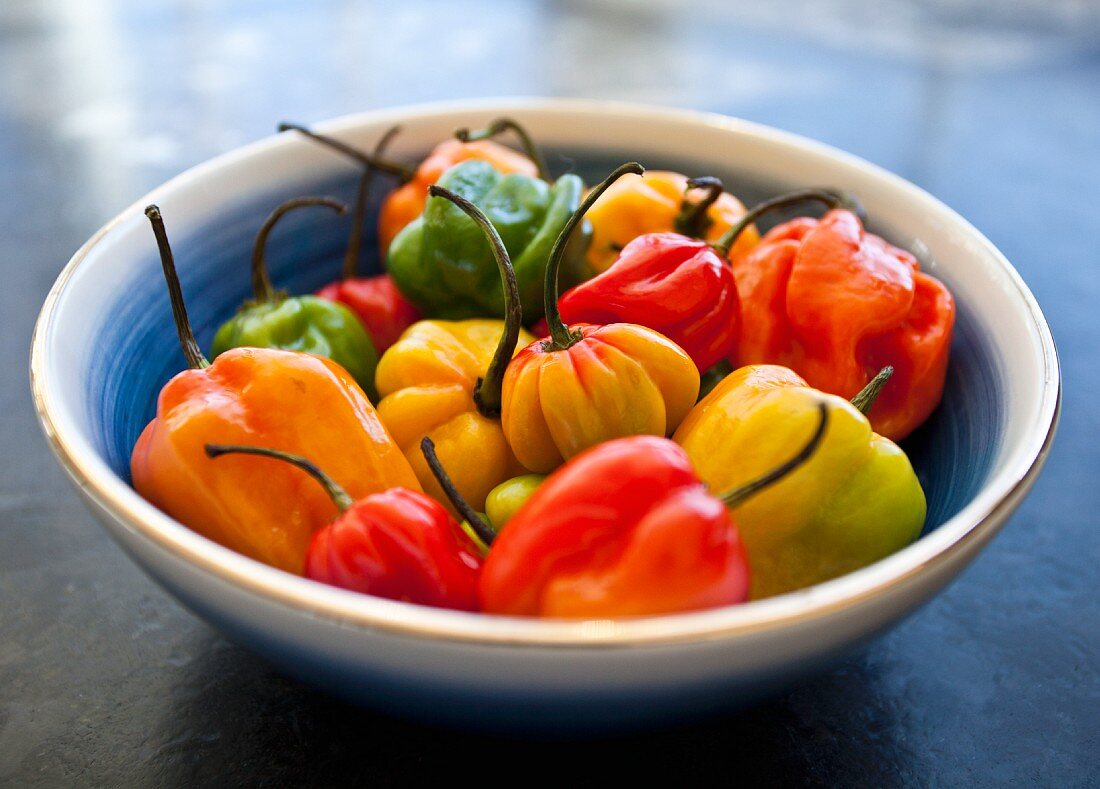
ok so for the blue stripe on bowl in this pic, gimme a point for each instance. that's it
(952, 453)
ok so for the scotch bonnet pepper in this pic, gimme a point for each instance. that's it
(294, 401)
(836, 303)
(298, 323)
(659, 203)
(624, 529)
(407, 202)
(855, 501)
(587, 384)
(442, 263)
(398, 543)
(443, 379)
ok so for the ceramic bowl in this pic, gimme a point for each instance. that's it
(105, 344)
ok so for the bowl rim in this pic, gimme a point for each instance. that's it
(978, 520)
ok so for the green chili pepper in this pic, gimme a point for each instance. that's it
(442, 263)
(506, 498)
(299, 323)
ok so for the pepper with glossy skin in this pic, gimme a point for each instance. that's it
(505, 499)
(298, 323)
(856, 501)
(376, 301)
(659, 203)
(587, 384)
(407, 202)
(398, 544)
(624, 529)
(442, 263)
(297, 402)
(443, 379)
(836, 303)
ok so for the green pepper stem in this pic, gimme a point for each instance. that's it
(190, 346)
(830, 198)
(868, 394)
(262, 289)
(500, 125)
(482, 529)
(355, 239)
(560, 336)
(487, 394)
(393, 168)
(338, 495)
(737, 496)
(693, 220)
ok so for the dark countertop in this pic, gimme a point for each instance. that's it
(992, 107)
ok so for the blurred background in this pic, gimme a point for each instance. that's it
(993, 107)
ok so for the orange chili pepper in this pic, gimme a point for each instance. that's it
(837, 304)
(293, 401)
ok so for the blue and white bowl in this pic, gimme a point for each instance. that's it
(105, 344)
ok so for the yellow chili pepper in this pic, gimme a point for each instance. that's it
(854, 502)
(635, 206)
(442, 379)
(588, 384)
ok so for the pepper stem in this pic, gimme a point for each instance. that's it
(693, 220)
(736, 497)
(560, 336)
(393, 168)
(262, 289)
(355, 239)
(480, 527)
(830, 198)
(190, 346)
(338, 495)
(500, 125)
(868, 394)
(487, 393)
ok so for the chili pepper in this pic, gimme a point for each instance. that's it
(625, 529)
(668, 282)
(506, 498)
(298, 323)
(384, 312)
(398, 544)
(407, 203)
(587, 384)
(296, 401)
(442, 263)
(443, 379)
(658, 203)
(856, 501)
(835, 304)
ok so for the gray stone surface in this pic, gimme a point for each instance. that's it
(993, 107)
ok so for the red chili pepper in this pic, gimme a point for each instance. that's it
(399, 544)
(379, 304)
(625, 528)
(670, 283)
(836, 304)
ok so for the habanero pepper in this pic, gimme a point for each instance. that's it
(587, 384)
(856, 501)
(836, 303)
(376, 301)
(398, 544)
(444, 265)
(658, 203)
(443, 379)
(625, 529)
(295, 401)
(406, 203)
(271, 319)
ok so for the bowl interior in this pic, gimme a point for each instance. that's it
(952, 453)
(108, 343)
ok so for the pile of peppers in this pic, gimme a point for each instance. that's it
(558, 399)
